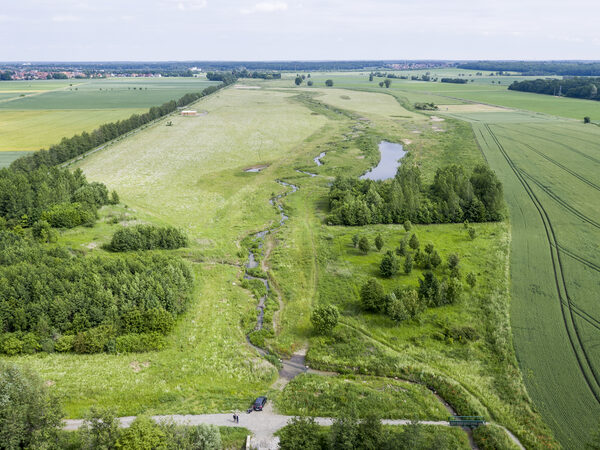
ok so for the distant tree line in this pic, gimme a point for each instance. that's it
(537, 67)
(587, 88)
(256, 74)
(453, 80)
(79, 144)
(52, 300)
(454, 196)
(147, 237)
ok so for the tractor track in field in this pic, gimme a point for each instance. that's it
(560, 201)
(593, 380)
(574, 150)
(585, 262)
(556, 163)
(575, 137)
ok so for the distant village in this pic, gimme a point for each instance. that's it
(26, 72)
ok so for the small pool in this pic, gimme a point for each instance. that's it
(391, 154)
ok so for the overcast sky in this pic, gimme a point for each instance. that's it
(92, 30)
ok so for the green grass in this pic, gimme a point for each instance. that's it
(321, 396)
(233, 438)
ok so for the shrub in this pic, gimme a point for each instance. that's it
(389, 265)
(396, 309)
(407, 225)
(301, 433)
(408, 264)
(355, 240)
(100, 429)
(325, 318)
(11, 345)
(143, 342)
(490, 437)
(328, 83)
(147, 237)
(64, 343)
(70, 215)
(372, 295)
(379, 242)
(30, 417)
(364, 245)
(414, 242)
(471, 279)
(143, 434)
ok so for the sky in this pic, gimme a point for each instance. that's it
(251, 30)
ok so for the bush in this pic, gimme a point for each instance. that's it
(325, 318)
(70, 215)
(64, 343)
(30, 417)
(389, 265)
(143, 434)
(143, 342)
(147, 237)
(372, 295)
(301, 433)
(364, 245)
(328, 83)
(490, 437)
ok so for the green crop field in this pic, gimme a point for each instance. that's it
(549, 167)
(37, 114)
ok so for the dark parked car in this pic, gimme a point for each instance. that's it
(259, 403)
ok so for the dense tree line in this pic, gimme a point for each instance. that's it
(348, 432)
(69, 148)
(52, 300)
(147, 237)
(454, 80)
(225, 77)
(537, 67)
(454, 196)
(587, 88)
(60, 197)
(244, 73)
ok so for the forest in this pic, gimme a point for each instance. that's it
(586, 88)
(54, 300)
(62, 198)
(532, 68)
(454, 196)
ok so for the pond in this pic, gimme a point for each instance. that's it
(388, 165)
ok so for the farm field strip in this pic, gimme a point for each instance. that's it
(571, 312)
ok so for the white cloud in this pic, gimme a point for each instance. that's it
(266, 7)
(65, 18)
(188, 5)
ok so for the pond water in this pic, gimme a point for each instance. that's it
(388, 165)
